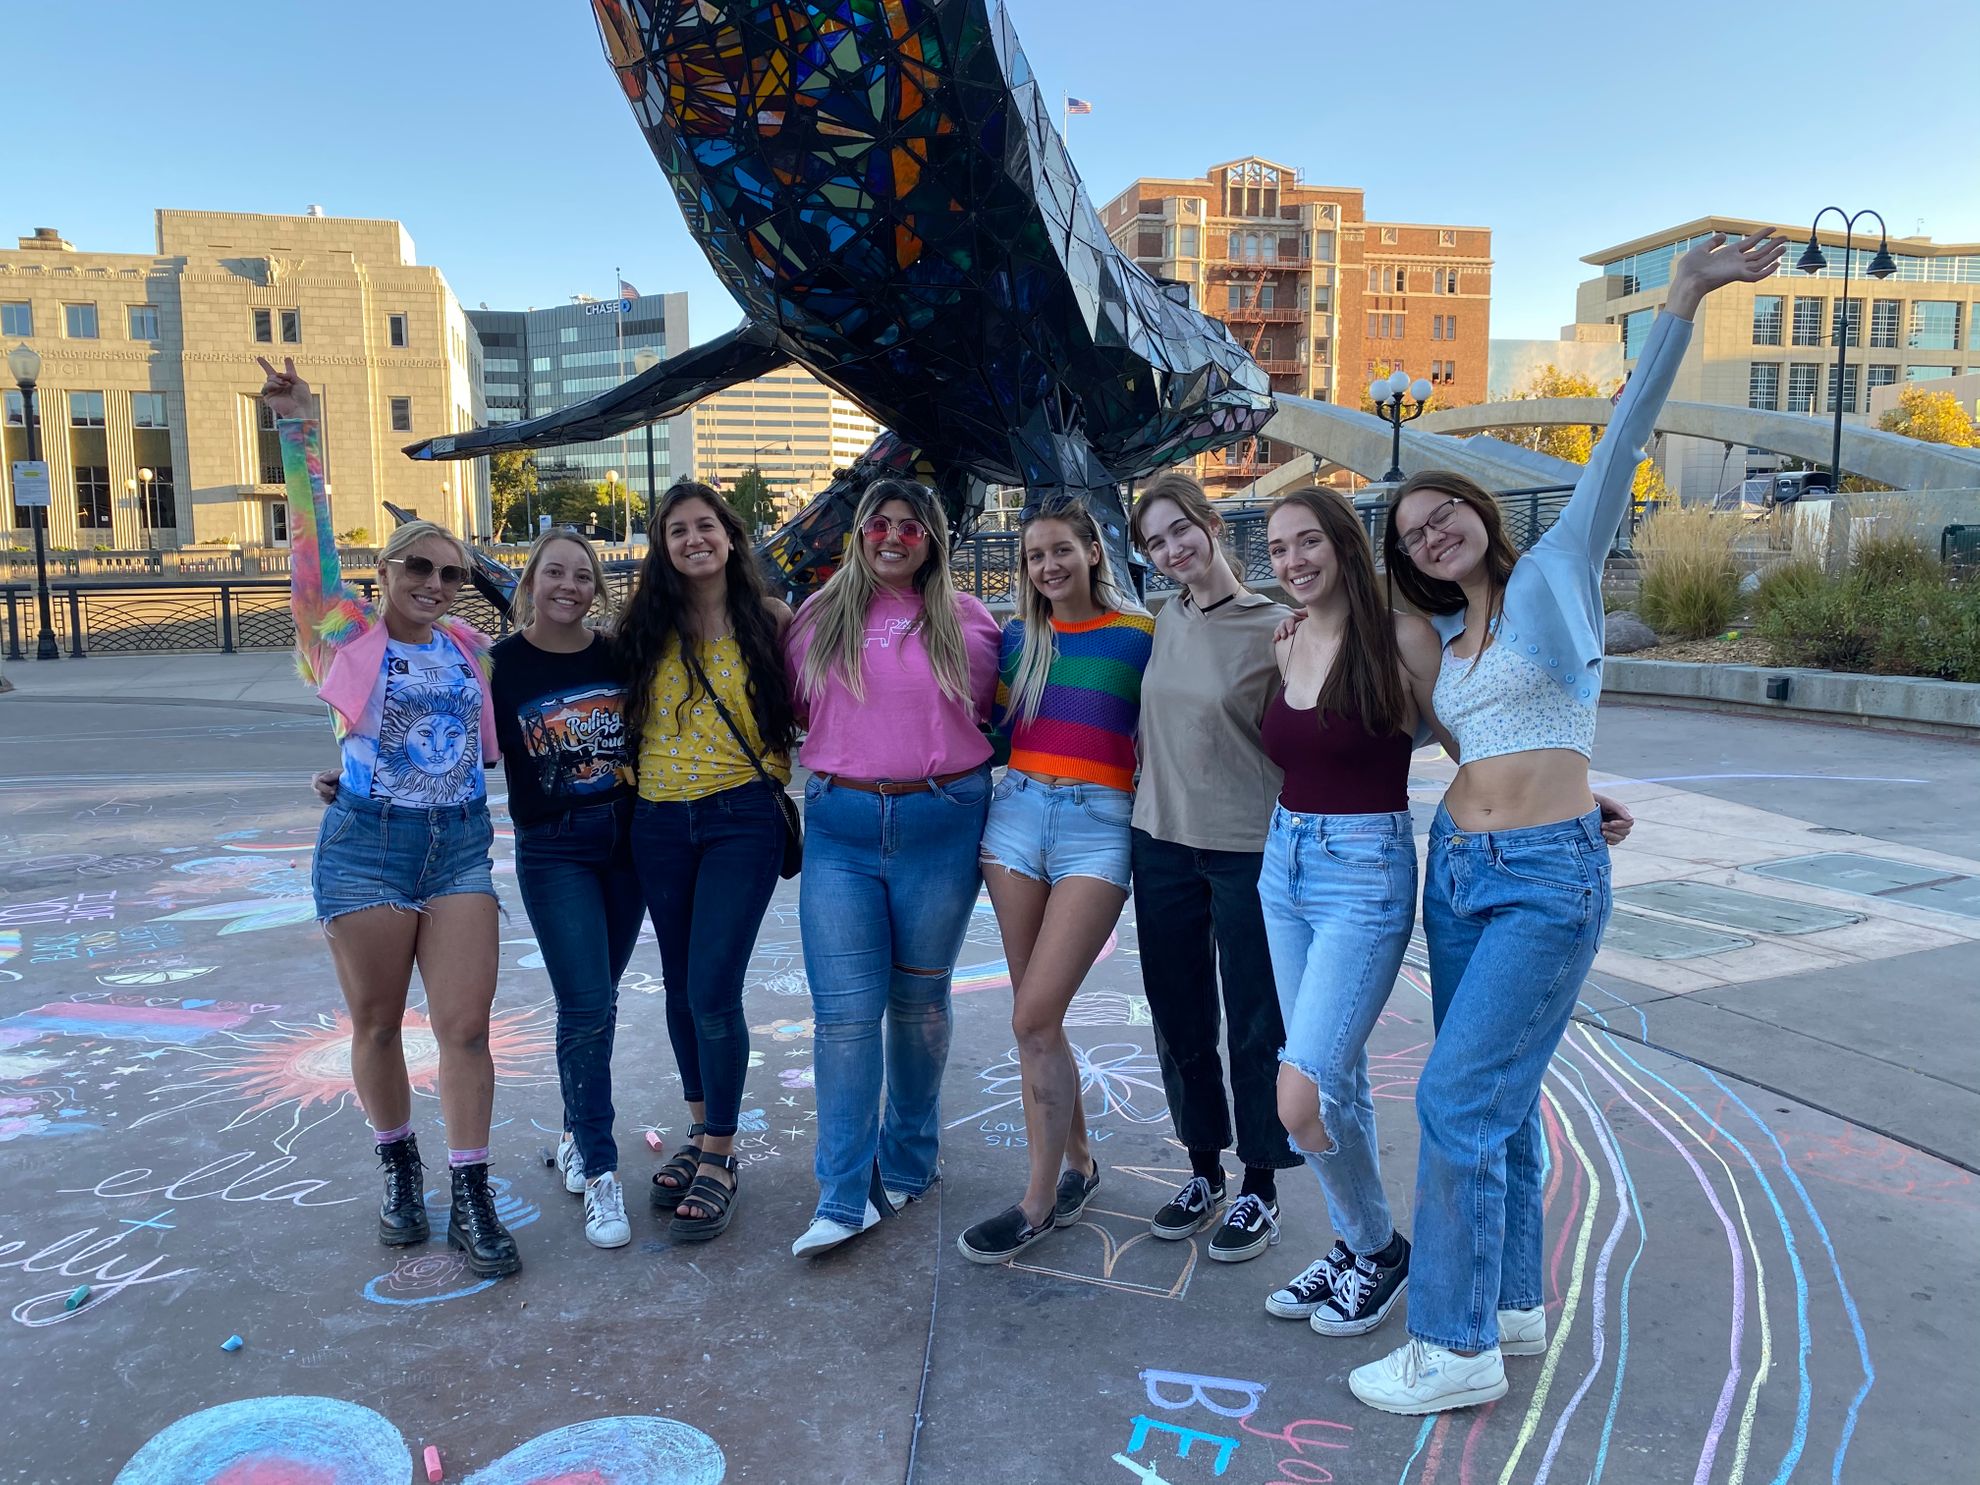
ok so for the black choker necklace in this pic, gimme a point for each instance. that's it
(1211, 608)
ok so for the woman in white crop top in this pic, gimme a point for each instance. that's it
(1516, 890)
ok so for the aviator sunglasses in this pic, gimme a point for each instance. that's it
(910, 532)
(422, 567)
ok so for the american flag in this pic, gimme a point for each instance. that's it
(1077, 105)
(627, 291)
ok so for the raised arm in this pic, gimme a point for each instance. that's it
(1595, 512)
(316, 581)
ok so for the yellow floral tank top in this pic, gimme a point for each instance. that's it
(686, 751)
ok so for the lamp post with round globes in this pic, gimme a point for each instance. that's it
(148, 510)
(1387, 393)
(1882, 266)
(25, 364)
(612, 489)
(644, 360)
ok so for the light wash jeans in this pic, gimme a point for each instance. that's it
(889, 882)
(1340, 896)
(1513, 919)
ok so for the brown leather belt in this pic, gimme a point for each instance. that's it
(894, 786)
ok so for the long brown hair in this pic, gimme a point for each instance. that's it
(1367, 680)
(1433, 595)
(1188, 495)
(655, 612)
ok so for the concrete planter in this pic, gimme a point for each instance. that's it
(1949, 708)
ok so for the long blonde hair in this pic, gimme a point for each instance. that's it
(522, 609)
(1041, 646)
(836, 618)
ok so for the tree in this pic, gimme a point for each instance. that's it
(1931, 417)
(1575, 442)
(512, 492)
(753, 498)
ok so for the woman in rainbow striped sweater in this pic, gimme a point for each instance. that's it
(1055, 849)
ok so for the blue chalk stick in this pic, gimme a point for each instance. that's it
(78, 1299)
(232, 1343)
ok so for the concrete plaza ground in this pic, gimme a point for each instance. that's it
(1763, 1131)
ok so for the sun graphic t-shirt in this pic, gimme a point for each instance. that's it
(419, 742)
(560, 719)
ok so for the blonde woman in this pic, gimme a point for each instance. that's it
(1056, 850)
(401, 871)
(894, 673)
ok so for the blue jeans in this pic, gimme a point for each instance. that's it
(708, 867)
(378, 853)
(584, 906)
(1049, 832)
(889, 883)
(1340, 897)
(1513, 918)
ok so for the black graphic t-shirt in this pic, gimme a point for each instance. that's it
(560, 720)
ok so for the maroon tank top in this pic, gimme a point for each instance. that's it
(1334, 766)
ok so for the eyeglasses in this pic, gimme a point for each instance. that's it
(879, 528)
(1412, 540)
(422, 567)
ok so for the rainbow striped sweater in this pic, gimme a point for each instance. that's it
(1087, 717)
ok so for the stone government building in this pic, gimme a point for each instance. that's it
(148, 368)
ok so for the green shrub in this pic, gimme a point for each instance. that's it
(1689, 580)
(1788, 580)
(1921, 627)
(1893, 560)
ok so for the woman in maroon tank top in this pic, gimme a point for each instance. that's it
(1339, 883)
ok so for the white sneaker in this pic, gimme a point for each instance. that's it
(605, 1224)
(898, 1200)
(824, 1234)
(1523, 1332)
(1419, 1378)
(570, 1163)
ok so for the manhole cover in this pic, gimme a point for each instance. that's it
(1728, 907)
(1660, 938)
(1873, 876)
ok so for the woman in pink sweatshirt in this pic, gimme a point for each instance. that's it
(894, 673)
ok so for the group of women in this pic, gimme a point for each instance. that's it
(1242, 769)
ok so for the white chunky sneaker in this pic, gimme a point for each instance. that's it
(898, 1200)
(605, 1224)
(1523, 1332)
(824, 1234)
(570, 1164)
(1419, 1378)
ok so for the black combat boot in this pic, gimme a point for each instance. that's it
(402, 1218)
(473, 1227)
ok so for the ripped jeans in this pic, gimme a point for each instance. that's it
(1339, 893)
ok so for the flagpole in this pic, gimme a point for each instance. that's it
(619, 348)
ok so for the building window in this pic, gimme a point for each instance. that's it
(159, 507)
(1374, 324)
(16, 410)
(1884, 324)
(79, 321)
(16, 318)
(268, 444)
(395, 329)
(85, 409)
(144, 321)
(1848, 390)
(1875, 377)
(1927, 373)
(1444, 281)
(264, 327)
(1235, 294)
(93, 497)
(1636, 325)
(291, 327)
(402, 414)
(1807, 321)
(1766, 319)
(1855, 331)
(1266, 294)
(1763, 385)
(568, 334)
(1402, 280)
(148, 410)
(1323, 247)
(1801, 387)
(1934, 325)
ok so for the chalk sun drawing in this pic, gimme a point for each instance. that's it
(1111, 1079)
(303, 1069)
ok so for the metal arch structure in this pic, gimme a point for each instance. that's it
(879, 185)
(1359, 441)
(1888, 458)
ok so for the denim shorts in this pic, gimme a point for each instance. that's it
(373, 853)
(1049, 832)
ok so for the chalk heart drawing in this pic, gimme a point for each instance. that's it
(325, 1441)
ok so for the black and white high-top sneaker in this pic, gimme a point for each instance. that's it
(1365, 1294)
(1313, 1286)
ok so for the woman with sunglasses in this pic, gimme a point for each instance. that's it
(894, 673)
(401, 871)
(1516, 892)
(711, 710)
(1055, 848)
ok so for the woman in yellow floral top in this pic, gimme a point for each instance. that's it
(701, 638)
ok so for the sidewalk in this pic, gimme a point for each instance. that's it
(261, 680)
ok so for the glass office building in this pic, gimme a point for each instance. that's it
(536, 361)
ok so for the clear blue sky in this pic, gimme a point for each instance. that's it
(496, 132)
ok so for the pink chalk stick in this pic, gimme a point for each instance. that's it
(432, 1463)
(654, 1142)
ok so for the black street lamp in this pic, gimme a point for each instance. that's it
(1387, 392)
(25, 363)
(1881, 267)
(644, 360)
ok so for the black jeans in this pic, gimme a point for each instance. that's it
(708, 867)
(584, 906)
(1199, 921)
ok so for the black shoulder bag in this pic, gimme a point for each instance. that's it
(787, 809)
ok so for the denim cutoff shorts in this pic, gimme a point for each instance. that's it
(1049, 832)
(374, 853)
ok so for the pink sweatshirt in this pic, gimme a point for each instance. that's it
(907, 727)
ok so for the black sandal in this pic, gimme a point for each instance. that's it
(715, 1199)
(686, 1162)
